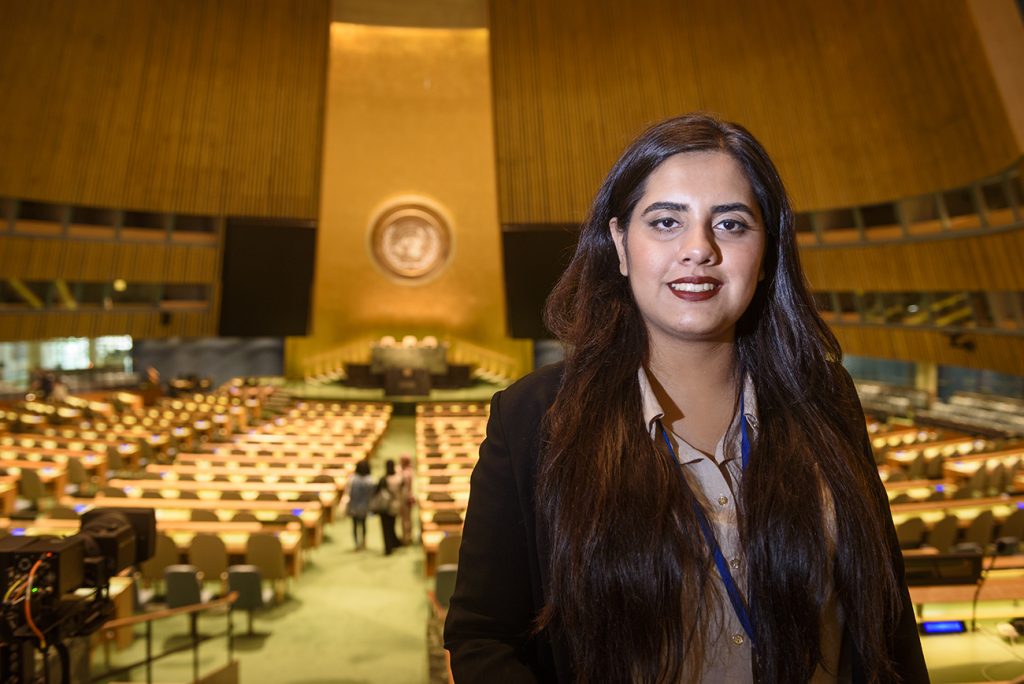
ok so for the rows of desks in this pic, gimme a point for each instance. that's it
(270, 462)
(326, 493)
(233, 472)
(964, 509)
(311, 513)
(448, 438)
(235, 535)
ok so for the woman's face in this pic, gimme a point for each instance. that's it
(694, 250)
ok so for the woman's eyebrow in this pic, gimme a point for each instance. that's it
(672, 206)
(735, 206)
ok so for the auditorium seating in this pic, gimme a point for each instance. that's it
(228, 485)
(448, 438)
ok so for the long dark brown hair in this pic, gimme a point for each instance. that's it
(633, 591)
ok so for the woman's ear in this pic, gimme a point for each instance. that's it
(619, 237)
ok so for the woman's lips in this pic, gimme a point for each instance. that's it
(695, 288)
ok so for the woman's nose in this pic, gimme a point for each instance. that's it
(697, 246)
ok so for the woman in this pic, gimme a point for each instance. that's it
(359, 491)
(391, 486)
(408, 500)
(691, 496)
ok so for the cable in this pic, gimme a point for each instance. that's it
(15, 586)
(28, 605)
(65, 662)
(982, 578)
(1005, 646)
(1009, 648)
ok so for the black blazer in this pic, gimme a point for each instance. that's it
(503, 562)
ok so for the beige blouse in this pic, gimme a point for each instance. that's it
(715, 482)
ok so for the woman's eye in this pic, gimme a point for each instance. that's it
(666, 223)
(732, 225)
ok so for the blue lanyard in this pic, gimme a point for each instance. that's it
(738, 604)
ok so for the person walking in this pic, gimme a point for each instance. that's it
(407, 501)
(387, 504)
(360, 490)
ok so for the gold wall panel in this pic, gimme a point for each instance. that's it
(408, 116)
(48, 259)
(1003, 353)
(195, 106)
(857, 102)
(1002, 35)
(94, 323)
(976, 263)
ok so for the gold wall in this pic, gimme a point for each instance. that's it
(1003, 353)
(977, 263)
(408, 116)
(139, 323)
(1001, 29)
(95, 261)
(857, 101)
(192, 106)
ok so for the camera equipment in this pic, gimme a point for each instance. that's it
(42, 578)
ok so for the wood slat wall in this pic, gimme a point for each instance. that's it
(195, 106)
(92, 323)
(992, 352)
(49, 259)
(857, 102)
(977, 263)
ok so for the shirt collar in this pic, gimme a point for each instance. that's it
(653, 413)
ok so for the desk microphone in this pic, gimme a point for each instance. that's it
(1001, 545)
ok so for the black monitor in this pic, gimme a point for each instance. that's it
(535, 256)
(943, 568)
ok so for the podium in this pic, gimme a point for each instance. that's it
(406, 382)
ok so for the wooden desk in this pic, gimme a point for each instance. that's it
(1004, 582)
(427, 523)
(310, 512)
(900, 436)
(95, 463)
(965, 509)
(453, 470)
(431, 540)
(459, 505)
(8, 493)
(128, 447)
(267, 461)
(457, 486)
(327, 492)
(920, 490)
(235, 535)
(266, 440)
(1000, 586)
(264, 473)
(154, 438)
(963, 467)
(954, 447)
(904, 485)
(334, 451)
(54, 476)
(427, 462)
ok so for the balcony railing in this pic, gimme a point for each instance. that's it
(989, 204)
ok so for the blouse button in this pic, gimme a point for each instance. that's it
(723, 499)
(737, 639)
(735, 563)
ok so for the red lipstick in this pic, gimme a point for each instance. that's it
(695, 288)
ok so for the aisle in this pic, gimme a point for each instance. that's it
(351, 618)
